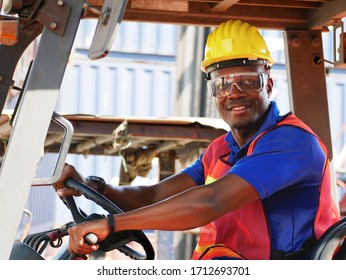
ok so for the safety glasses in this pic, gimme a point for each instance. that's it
(245, 82)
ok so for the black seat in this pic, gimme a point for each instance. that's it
(21, 251)
(332, 244)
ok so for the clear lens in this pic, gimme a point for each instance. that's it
(245, 82)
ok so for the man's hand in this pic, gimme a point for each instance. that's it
(68, 172)
(77, 233)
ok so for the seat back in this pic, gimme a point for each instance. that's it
(21, 251)
(332, 244)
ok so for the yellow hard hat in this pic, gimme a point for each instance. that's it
(234, 40)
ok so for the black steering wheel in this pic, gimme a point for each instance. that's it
(116, 240)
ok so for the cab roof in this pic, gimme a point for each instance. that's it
(265, 14)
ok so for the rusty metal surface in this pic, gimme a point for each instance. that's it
(308, 90)
(266, 14)
(98, 135)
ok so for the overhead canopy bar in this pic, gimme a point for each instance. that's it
(265, 14)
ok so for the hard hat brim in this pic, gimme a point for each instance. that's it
(236, 62)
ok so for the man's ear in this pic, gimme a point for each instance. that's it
(270, 84)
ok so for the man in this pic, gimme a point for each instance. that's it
(262, 191)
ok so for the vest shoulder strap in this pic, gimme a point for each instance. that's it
(290, 120)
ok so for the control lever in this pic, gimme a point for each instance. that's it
(91, 239)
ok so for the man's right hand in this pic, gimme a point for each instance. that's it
(68, 172)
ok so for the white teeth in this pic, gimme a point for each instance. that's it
(238, 108)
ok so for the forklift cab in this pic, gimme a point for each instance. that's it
(56, 22)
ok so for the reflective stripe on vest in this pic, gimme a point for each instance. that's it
(245, 231)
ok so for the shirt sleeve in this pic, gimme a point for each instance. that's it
(282, 158)
(196, 171)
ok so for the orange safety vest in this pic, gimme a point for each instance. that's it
(244, 234)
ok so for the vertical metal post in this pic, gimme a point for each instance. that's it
(31, 124)
(307, 81)
(165, 239)
(307, 85)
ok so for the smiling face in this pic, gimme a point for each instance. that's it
(243, 110)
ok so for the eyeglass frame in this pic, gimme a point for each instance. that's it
(263, 79)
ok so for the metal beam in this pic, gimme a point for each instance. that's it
(165, 239)
(224, 5)
(161, 5)
(307, 81)
(202, 14)
(307, 87)
(328, 13)
(265, 14)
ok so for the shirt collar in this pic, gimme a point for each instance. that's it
(273, 116)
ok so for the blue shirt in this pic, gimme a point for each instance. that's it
(286, 169)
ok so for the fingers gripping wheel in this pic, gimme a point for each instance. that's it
(116, 240)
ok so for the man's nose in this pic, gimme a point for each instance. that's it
(234, 92)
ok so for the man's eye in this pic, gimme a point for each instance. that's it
(227, 82)
(220, 86)
(248, 82)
